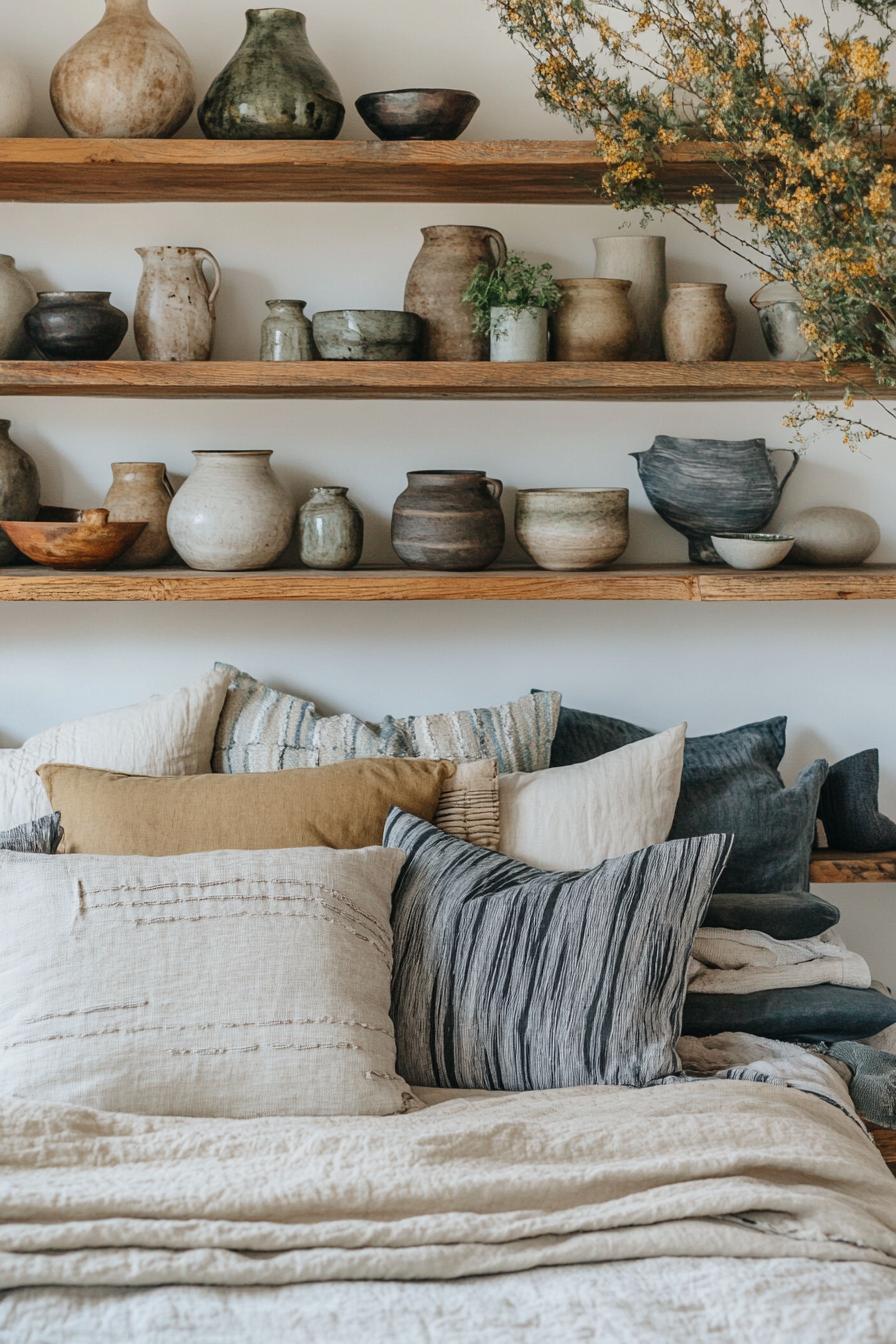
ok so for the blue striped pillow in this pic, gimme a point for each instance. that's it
(511, 979)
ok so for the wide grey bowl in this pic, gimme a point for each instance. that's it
(754, 550)
(367, 333)
(418, 114)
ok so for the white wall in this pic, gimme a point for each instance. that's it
(828, 666)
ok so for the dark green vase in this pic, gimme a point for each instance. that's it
(274, 88)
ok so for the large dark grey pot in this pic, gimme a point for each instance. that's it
(448, 520)
(706, 486)
(75, 324)
(275, 87)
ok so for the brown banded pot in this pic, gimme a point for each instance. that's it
(572, 528)
(448, 520)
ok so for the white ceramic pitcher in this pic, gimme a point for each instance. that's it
(174, 317)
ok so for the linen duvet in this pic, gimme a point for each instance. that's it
(719, 1209)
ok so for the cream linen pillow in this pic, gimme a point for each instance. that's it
(165, 735)
(575, 816)
(226, 984)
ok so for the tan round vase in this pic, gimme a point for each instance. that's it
(128, 77)
(698, 323)
(575, 528)
(142, 492)
(594, 322)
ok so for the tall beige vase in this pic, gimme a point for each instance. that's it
(142, 492)
(174, 316)
(128, 77)
(640, 258)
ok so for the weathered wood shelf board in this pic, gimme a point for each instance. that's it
(829, 865)
(564, 172)
(417, 380)
(886, 1145)
(648, 583)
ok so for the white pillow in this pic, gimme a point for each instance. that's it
(165, 735)
(575, 816)
(227, 984)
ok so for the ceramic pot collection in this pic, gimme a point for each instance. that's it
(19, 489)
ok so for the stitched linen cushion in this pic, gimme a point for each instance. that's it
(226, 984)
(730, 783)
(165, 735)
(848, 806)
(265, 729)
(34, 837)
(509, 978)
(342, 806)
(809, 1013)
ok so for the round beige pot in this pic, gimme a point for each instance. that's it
(698, 324)
(231, 513)
(594, 321)
(572, 528)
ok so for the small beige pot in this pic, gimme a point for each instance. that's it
(595, 321)
(698, 323)
(572, 528)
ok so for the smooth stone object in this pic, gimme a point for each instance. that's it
(92, 542)
(594, 322)
(331, 529)
(574, 528)
(753, 550)
(698, 323)
(640, 258)
(275, 87)
(232, 512)
(142, 490)
(17, 297)
(19, 489)
(436, 284)
(367, 333)
(174, 316)
(707, 487)
(448, 520)
(829, 535)
(16, 101)
(76, 324)
(518, 335)
(418, 114)
(286, 334)
(127, 78)
(780, 310)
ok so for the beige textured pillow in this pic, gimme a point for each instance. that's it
(226, 984)
(342, 806)
(470, 804)
(575, 816)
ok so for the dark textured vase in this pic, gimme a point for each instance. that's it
(448, 520)
(275, 87)
(76, 325)
(703, 487)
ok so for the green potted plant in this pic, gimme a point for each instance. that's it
(511, 304)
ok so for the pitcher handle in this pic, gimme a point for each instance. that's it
(499, 242)
(494, 486)
(166, 484)
(204, 255)
(796, 461)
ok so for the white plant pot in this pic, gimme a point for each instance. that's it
(519, 335)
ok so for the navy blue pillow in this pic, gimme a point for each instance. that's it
(730, 784)
(34, 837)
(811, 1013)
(848, 806)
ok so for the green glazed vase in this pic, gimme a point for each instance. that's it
(275, 87)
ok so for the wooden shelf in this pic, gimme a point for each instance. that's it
(756, 380)
(830, 865)
(647, 583)
(563, 172)
(885, 1139)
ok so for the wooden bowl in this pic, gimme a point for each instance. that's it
(91, 542)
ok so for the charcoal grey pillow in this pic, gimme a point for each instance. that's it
(848, 806)
(730, 783)
(780, 914)
(506, 977)
(34, 837)
(810, 1013)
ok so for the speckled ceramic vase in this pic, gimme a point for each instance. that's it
(286, 333)
(17, 297)
(174, 316)
(448, 520)
(128, 77)
(575, 528)
(231, 513)
(19, 490)
(331, 529)
(275, 87)
(141, 492)
(594, 321)
(436, 283)
(698, 323)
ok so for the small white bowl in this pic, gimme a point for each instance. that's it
(753, 550)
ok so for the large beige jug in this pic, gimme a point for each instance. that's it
(174, 317)
(142, 492)
(438, 278)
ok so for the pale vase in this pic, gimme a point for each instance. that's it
(232, 513)
(142, 492)
(287, 334)
(17, 297)
(594, 321)
(640, 258)
(174, 316)
(127, 78)
(15, 98)
(331, 529)
(19, 490)
(698, 323)
(519, 335)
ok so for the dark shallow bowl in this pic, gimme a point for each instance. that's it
(367, 333)
(90, 542)
(418, 114)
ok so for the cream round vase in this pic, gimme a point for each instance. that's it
(572, 528)
(232, 513)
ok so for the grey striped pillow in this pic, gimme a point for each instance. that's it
(509, 978)
(34, 837)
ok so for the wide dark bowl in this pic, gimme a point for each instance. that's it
(418, 114)
(75, 325)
